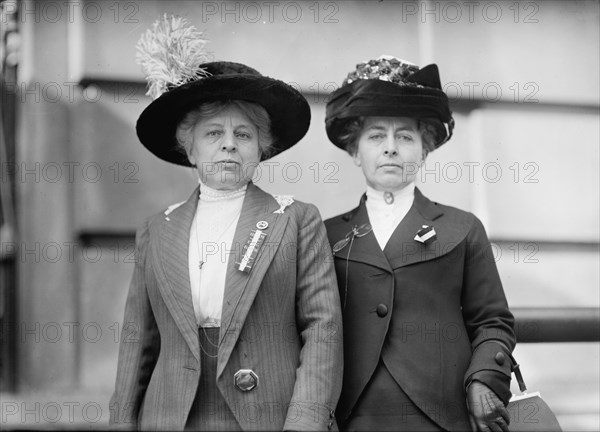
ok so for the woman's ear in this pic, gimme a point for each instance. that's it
(356, 159)
(190, 154)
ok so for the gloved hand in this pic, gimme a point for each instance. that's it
(486, 410)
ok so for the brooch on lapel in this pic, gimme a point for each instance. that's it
(252, 246)
(356, 231)
(170, 209)
(426, 235)
(283, 201)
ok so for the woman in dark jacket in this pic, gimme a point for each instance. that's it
(427, 329)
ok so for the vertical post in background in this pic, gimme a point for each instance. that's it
(9, 43)
(46, 269)
(425, 31)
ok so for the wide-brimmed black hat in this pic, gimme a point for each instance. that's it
(288, 110)
(389, 87)
(173, 59)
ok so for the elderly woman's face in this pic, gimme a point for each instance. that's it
(390, 152)
(225, 149)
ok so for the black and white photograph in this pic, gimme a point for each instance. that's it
(300, 215)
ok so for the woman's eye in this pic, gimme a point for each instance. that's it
(378, 136)
(243, 135)
(214, 133)
(405, 137)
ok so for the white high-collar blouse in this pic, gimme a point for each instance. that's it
(211, 237)
(385, 217)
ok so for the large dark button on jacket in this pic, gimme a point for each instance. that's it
(382, 310)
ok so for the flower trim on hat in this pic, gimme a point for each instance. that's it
(385, 68)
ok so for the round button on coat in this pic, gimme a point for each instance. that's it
(382, 310)
(500, 358)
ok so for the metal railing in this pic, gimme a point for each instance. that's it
(569, 324)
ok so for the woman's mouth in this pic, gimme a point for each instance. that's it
(228, 164)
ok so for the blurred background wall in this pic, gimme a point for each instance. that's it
(524, 82)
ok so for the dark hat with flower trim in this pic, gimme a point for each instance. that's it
(390, 87)
(180, 79)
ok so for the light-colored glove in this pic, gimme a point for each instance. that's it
(486, 410)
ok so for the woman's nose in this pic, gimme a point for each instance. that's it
(229, 145)
(390, 148)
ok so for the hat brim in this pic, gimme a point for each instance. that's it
(288, 110)
(375, 98)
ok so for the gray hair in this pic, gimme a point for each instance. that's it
(256, 113)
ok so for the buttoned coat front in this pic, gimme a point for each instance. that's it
(281, 319)
(435, 313)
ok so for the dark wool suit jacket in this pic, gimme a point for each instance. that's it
(282, 320)
(436, 314)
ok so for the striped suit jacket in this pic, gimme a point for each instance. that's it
(282, 320)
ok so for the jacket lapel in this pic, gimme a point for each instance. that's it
(173, 272)
(363, 249)
(241, 287)
(402, 248)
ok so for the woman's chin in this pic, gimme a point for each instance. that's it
(222, 182)
(391, 185)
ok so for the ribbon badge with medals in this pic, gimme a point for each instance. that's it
(258, 235)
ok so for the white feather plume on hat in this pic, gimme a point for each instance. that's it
(170, 53)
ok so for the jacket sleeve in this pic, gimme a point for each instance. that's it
(319, 319)
(487, 317)
(139, 346)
